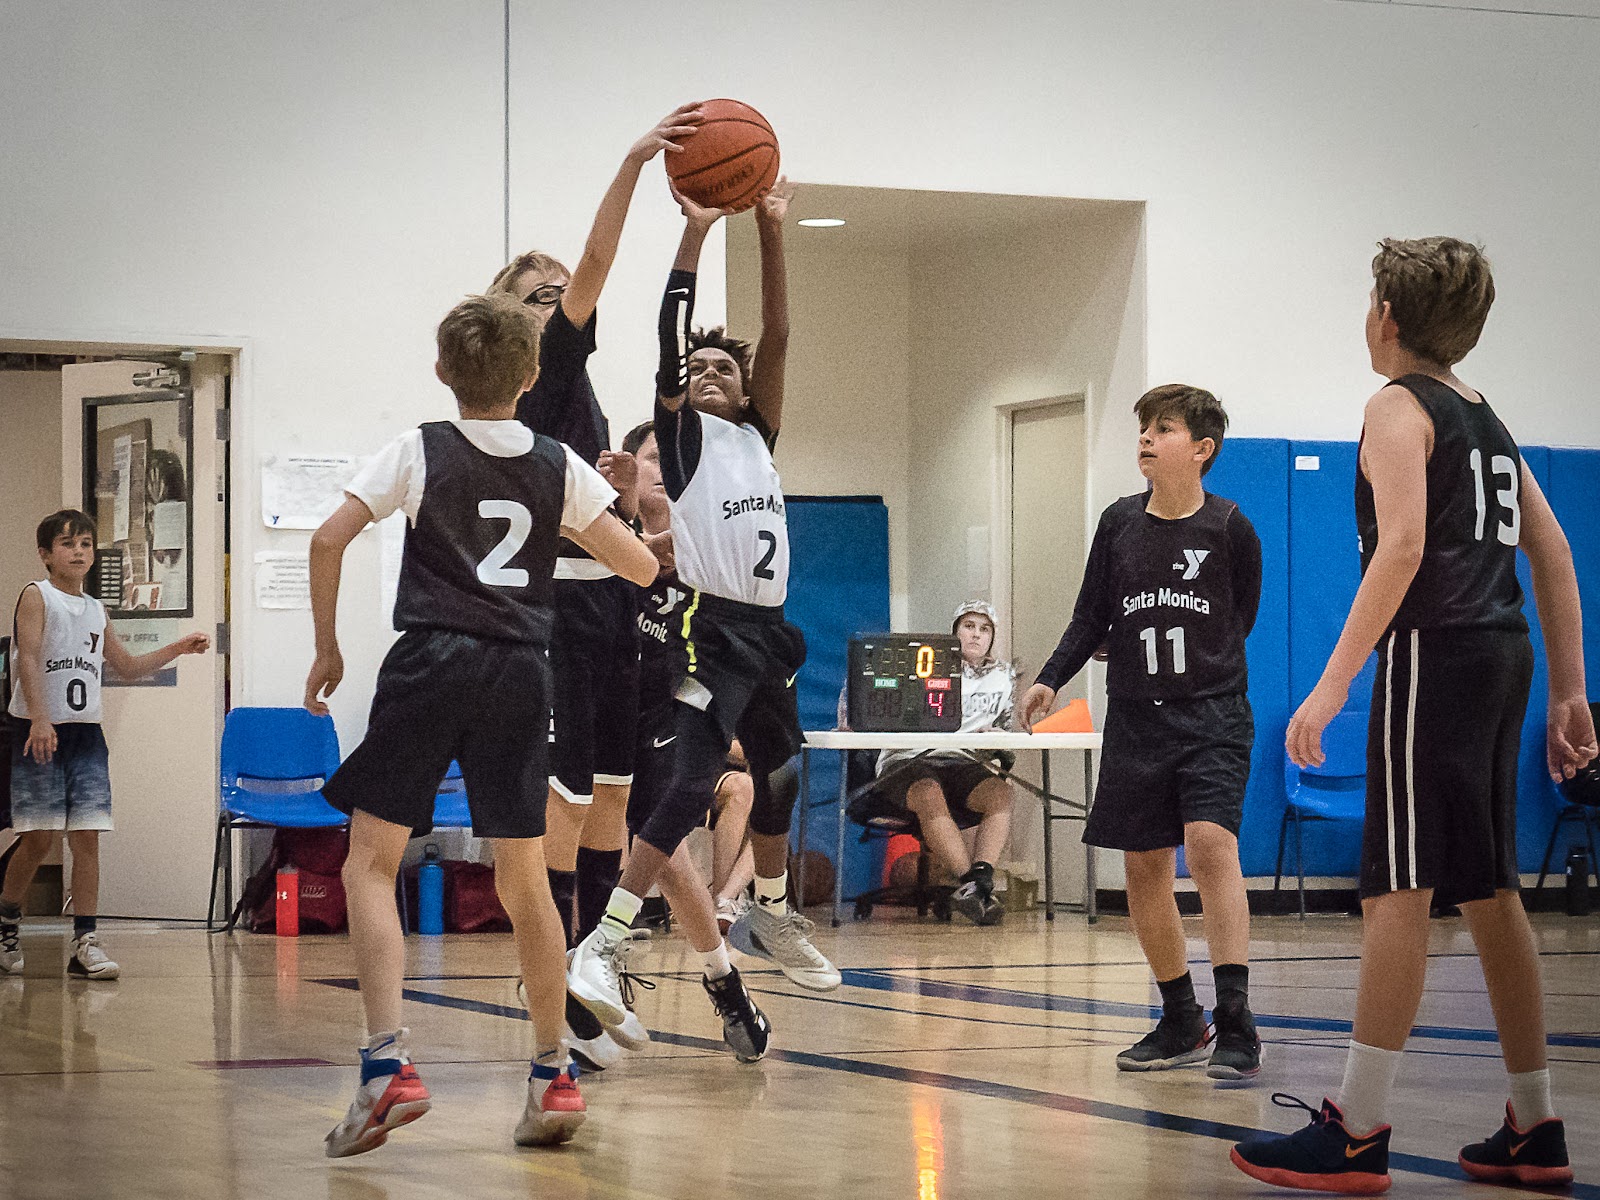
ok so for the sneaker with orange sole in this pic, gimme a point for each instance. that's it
(391, 1094)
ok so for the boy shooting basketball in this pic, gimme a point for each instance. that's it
(1443, 500)
(1171, 590)
(487, 501)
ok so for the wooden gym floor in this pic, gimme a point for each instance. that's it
(954, 1062)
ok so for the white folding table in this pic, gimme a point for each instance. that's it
(845, 741)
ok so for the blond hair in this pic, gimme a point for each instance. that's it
(533, 260)
(1439, 290)
(488, 350)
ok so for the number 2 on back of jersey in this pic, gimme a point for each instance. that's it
(1152, 662)
(1509, 532)
(493, 570)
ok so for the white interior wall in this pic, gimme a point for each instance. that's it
(30, 471)
(323, 181)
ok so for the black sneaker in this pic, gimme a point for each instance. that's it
(1322, 1157)
(1536, 1157)
(744, 1026)
(1176, 1041)
(977, 904)
(1235, 1048)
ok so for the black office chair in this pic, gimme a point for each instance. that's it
(1582, 794)
(879, 819)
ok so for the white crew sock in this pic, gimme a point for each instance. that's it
(716, 961)
(1530, 1098)
(773, 894)
(1368, 1078)
(621, 910)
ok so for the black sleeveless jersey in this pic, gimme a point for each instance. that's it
(1468, 575)
(1172, 602)
(663, 656)
(480, 556)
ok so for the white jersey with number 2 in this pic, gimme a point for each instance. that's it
(74, 648)
(729, 532)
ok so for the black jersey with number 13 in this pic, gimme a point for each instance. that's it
(1468, 575)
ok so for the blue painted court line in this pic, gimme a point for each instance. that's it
(1100, 1109)
(1045, 1002)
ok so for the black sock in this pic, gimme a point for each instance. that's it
(1233, 983)
(10, 913)
(563, 885)
(598, 872)
(1177, 995)
(82, 925)
(981, 874)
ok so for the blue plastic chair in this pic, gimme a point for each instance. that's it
(274, 763)
(1335, 791)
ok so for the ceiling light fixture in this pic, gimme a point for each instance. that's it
(822, 222)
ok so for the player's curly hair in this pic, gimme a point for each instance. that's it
(1201, 413)
(1439, 291)
(717, 338)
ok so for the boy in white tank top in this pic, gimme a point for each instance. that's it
(59, 775)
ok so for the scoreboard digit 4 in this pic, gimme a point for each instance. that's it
(904, 683)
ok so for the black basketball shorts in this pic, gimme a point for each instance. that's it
(742, 663)
(443, 695)
(1443, 740)
(594, 657)
(653, 760)
(957, 776)
(1165, 763)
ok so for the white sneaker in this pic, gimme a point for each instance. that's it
(88, 961)
(727, 913)
(594, 973)
(784, 938)
(10, 951)
(554, 1110)
(383, 1102)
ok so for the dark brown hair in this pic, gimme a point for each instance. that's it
(736, 348)
(638, 436)
(488, 348)
(1439, 291)
(1200, 412)
(69, 522)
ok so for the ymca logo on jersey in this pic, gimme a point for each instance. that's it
(1190, 566)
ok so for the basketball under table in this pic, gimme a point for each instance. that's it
(1055, 808)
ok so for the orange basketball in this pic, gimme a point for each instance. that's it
(729, 161)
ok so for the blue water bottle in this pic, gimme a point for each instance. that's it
(430, 892)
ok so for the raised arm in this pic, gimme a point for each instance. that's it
(328, 545)
(600, 251)
(772, 350)
(130, 666)
(1569, 737)
(677, 304)
(1394, 455)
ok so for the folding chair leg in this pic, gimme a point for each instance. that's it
(1300, 863)
(1549, 849)
(1283, 833)
(216, 870)
(1589, 820)
(923, 875)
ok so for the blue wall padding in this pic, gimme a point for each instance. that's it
(1254, 474)
(838, 587)
(1573, 488)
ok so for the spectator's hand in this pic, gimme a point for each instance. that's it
(774, 206)
(41, 743)
(695, 214)
(326, 674)
(192, 643)
(660, 545)
(1036, 704)
(1569, 738)
(679, 122)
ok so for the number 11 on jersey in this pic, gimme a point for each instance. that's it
(1151, 661)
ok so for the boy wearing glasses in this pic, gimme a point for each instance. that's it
(593, 652)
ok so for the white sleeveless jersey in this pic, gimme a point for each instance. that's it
(729, 532)
(74, 659)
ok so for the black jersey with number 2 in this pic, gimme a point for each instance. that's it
(1468, 575)
(1171, 600)
(480, 556)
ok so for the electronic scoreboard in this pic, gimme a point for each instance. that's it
(904, 683)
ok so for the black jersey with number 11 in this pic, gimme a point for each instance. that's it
(1468, 575)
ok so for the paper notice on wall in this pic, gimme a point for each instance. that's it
(391, 548)
(283, 579)
(169, 526)
(301, 491)
(122, 464)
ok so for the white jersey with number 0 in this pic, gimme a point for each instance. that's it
(74, 659)
(729, 532)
